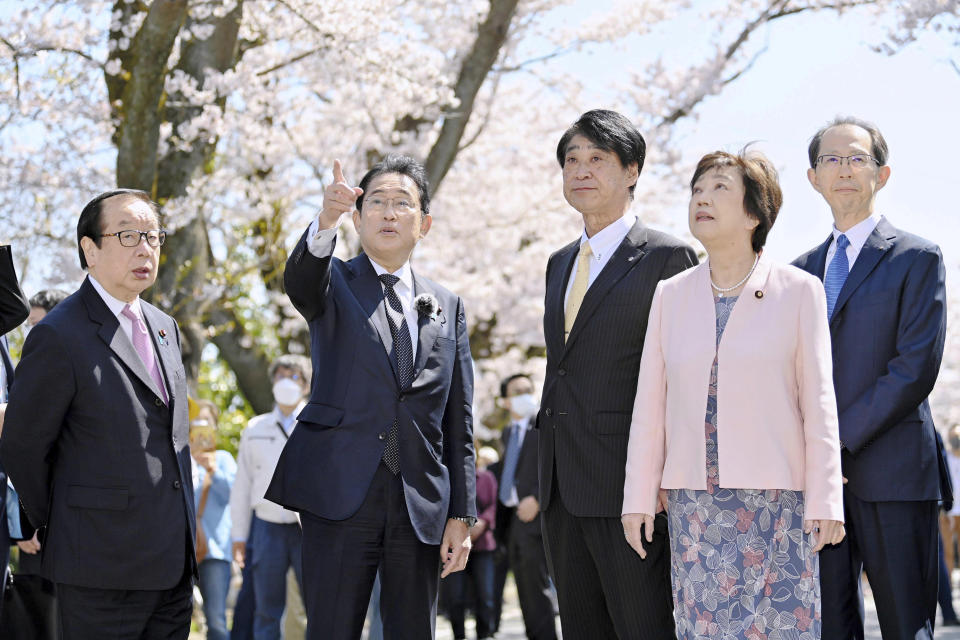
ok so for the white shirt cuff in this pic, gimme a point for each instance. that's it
(318, 240)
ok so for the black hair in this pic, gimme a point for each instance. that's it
(609, 131)
(506, 382)
(404, 165)
(48, 299)
(89, 225)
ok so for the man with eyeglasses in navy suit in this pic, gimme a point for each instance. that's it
(886, 303)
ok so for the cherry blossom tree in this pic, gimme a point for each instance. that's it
(230, 114)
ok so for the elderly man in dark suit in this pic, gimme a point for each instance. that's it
(96, 437)
(13, 310)
(599, 290)
(381, 463)
(886, 301)
(519, 492)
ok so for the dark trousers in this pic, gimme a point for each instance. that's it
(945, 590)
(276, 549)
(501, 566)
(242, 627)
(479, 575)
(529, 562)
(341, 558)
(896, 544)
(604, 589)
(118, 614)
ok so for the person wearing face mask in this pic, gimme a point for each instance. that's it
(213, 473)
(518, 491)
(275, 532)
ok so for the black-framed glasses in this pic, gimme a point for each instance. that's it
(856, 161)
(133, 237)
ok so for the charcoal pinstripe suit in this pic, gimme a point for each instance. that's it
(604, 589)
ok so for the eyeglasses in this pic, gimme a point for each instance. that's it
(377, 204)
(856, 161)
(132, 237)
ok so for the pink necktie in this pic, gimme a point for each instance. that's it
(141, 342)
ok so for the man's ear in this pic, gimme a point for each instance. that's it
(634, 173)
(356, 220)
(89, 248)
(882, 176)
(812, 177)
(426, 222)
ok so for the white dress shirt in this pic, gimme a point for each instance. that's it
(260, 446)
(116, 307)
(857, 235)
(317, 241)
(603, 244)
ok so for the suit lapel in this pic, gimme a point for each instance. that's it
(366, 287)
(626, 257)
(556, 290)
(877, 244)
(115, 337)
(818, 259)
(427, 328)
(166, 356)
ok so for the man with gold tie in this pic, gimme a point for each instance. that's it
(599, 290)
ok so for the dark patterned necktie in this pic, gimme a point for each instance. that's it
(402, 355)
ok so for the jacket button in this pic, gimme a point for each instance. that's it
(401, 398)
(549, 412)
(176, 485)
(382, 435)
(157, 401)
(561, 372)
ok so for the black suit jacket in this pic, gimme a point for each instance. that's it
(328, 463)
(887, 331)
(526, 477)
(591, 380)
(96, 455)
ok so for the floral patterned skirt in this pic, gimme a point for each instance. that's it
(742, 566)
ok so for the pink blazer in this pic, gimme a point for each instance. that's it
(776, 410)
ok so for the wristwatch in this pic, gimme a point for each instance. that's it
(467, 520)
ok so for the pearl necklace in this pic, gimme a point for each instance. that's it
(723, 290)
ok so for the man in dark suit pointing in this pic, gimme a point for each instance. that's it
(96, 437)
(381, 463)
(886, 300)
(599, 290)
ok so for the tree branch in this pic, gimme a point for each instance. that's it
(491, 36)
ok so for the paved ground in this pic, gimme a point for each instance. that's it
(511, 625)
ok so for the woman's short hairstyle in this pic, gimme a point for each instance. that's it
(761, 187)
(211, 407)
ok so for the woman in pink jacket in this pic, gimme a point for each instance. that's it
(753, 491)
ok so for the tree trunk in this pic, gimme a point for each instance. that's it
(491, 35)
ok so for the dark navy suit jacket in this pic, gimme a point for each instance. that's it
(888, 330)
(94, 452)
(14, 309)
(329, 461)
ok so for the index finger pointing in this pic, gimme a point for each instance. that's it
(338, 172)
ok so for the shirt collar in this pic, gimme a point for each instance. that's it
(609, 238)
(115, 305)
(858, 233)
(287, 422)
(404, 273)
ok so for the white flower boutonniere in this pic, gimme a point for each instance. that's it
(427, 306)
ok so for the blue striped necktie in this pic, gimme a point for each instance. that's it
(837, 274)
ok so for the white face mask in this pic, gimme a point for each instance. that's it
(286, 392)
(524, 405)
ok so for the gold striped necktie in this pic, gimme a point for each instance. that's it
(580, 284)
